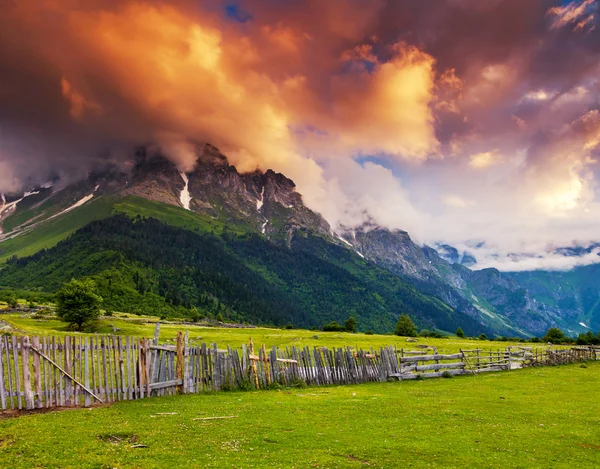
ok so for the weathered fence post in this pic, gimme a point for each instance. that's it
(37, 383)
(26, 373)
(86, 365)
(254, 367)
(180, 358)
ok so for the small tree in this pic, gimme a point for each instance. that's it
(13, 302)
(350, 324)
(220, 317)
(460, 333)
(77, 302)
(555, 336)
(405, 327)
(333, 326)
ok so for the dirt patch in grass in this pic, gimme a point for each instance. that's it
(14, 413)
(119, 438)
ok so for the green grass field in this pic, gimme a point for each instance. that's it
(144, 327)
(544, 417)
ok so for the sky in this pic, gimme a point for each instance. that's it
(467, 122)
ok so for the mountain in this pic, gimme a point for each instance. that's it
(270, 259)
(244, 245)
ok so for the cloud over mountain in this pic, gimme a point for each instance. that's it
(459, 121)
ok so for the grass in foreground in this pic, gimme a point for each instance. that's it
(543, 417)
(144, 327)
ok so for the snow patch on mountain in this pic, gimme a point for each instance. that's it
(185, 196)
(79, 203)
(260, 202)
(13, 205)
(583, 324)
(343, 240)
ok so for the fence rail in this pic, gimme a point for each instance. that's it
(46, 372)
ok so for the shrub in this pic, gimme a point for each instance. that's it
(405, 326)
(460, 333)
(333, 326)
(483, 337)
(554, 335)
(289, 326)
(369, 332)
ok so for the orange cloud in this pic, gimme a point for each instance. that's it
(79, 105)
(571, 13)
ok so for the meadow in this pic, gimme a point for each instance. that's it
(131, 325)
(537, 417)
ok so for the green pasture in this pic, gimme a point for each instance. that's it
(131, 325)
(538, 418)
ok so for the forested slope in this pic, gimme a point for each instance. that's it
(146, 266)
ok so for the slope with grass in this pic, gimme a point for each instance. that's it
(538, 418)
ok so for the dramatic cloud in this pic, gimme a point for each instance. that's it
(469, 122)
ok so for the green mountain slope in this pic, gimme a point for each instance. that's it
(145, 265)
(50, 232)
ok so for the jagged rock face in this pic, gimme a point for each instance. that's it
(154, 178)
(267, 201)
(392, 249)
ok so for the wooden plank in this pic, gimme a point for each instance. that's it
(128, 356)
(67, 361)
(57, 377)
(166, 384)
(47, 392)
(17, 375)
(76, 368)
(29, 404)
(146, 367)
(217, 418)
(135, 354)
(164, 348)
(180, 360)
(93, 364)
(37, 375)
(156, 334)
(105, 370)
(2, 392)
(440, 366)
(141, 369)
(116, 369)
(86, 371)
(122, 377)
(66, 374)
(430, 358)
(438, 374)
(9, 372)
(205, 368)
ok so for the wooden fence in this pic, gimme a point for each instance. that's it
(46, 372)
